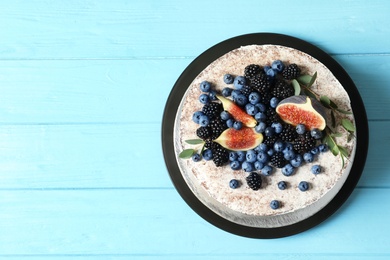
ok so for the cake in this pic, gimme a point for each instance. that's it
(283, 197)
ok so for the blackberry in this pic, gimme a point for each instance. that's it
(212, 110)
(221, 155)
(277, 160)
(270, 140)
(217, 126)
(208, 144)
(272, 116)
(266, 98)
(260, 83)
(288, 134)
(246, 90)
(252, 70)
(282, 90)
(304, 143)
(204, 132)
(254, 181)
(292, 71)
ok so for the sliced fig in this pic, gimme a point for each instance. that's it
(239, 140)
(302, 110)
(236, 112)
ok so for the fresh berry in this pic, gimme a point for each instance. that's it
(288, 147)
(323, 148)
(251, 156)
(279, 146)
(258, 165)
(225, 115)
(292, 71)
(207, 154)
(235, 94)
(275, 204)
(204, 132)
(288, 170)
(300, 129)
(278, 65)
(316, 133)
(251, 109)
(217, 126)
(254, 98)
(308, 157)
(267, 170)
(241, 100)
(221, 155)
(269, 131)
(288, 133)
(260, 83)
(289, 155)
(235, 165)
(263, 147)
(234, 184)
(274, 102)
(205, 86)
(315, 150)
(303, 186)
(212, 110)
(260, 128)
(196, 157)
(227, 92)
(282, 185)
(239, 82)
(297, 161)
(241, 156)
(304, 143)
(204, 99)
(204, 121)
(278, 127)
(252, 70)
(237, 125)
(316, 169)
(271, 73)
(260, 116)
(230, 122)
(282, 90)
(254, 181)
(262, 157)
(228, 79)
(246, 91)
(213, 95)
(271, 152)
(272, 116)
(270, 140)
(196, 116)
(277, 160)
(261, 107)
(247, 166)
(233, 156)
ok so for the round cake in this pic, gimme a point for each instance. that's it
(265, 136)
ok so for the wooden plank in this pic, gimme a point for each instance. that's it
(158, 223)
(75, 91)
(121, 29)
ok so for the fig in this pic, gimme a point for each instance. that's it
(237, 112)
(302, 110)
(239, 140)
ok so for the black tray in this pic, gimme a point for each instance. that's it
(192, 71)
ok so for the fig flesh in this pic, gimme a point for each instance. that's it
(239, 140)
(236, 112)
(302, 110)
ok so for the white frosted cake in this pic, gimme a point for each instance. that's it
(272, 203)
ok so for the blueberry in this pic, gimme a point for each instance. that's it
(289, 155)
(227, 92)
(205, 86)
(251, 156)
(303, 186)
(261, 107)
(277, 65)
(271, 73)
(235, 165)
(269, 131)
(254, 98)
(308, 157)
(260, 116)
(241, 156)
(207, 154)
(239, 82)
(315, 151)
(196, 116)
(274, 102)
(233, 156)
(263, 147)
(288, 147)
(275, 204)
(241, 100)
(300, 128)
(277, 126)
(225, 115)
(297, 161)
(262, 157)
(235, 94)
(213, 95)
(204, 99)
(204, 120)
(323, 148)
(288, 170)
(278, 146)
(282, 185)
(316, 169)
(234, 184)
(267, 170)
(196, 157)
(260, 128)
(237, 125)
(228, 79)
(266, 68)
(258, 165)
(251, 109)
(316, 133)
(230, 123)
(271, 152)
(247, 166)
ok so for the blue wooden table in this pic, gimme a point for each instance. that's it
(83, 85)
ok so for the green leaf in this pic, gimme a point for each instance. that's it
(332, 145)
(343, 151)
(186, 154)
(297, 87)
(313, 78)
(304, 79)
(344, 112)
(332, 104)
(325, 101)
(343, 162)
(310, 94)
(333, 118)
(194, 141)
(337, 135)
(348, 125)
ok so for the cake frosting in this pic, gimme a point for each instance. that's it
(244, 205)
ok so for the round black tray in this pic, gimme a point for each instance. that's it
(192, 71)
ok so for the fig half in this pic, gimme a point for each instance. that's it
(239, 140)
(236, 112)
